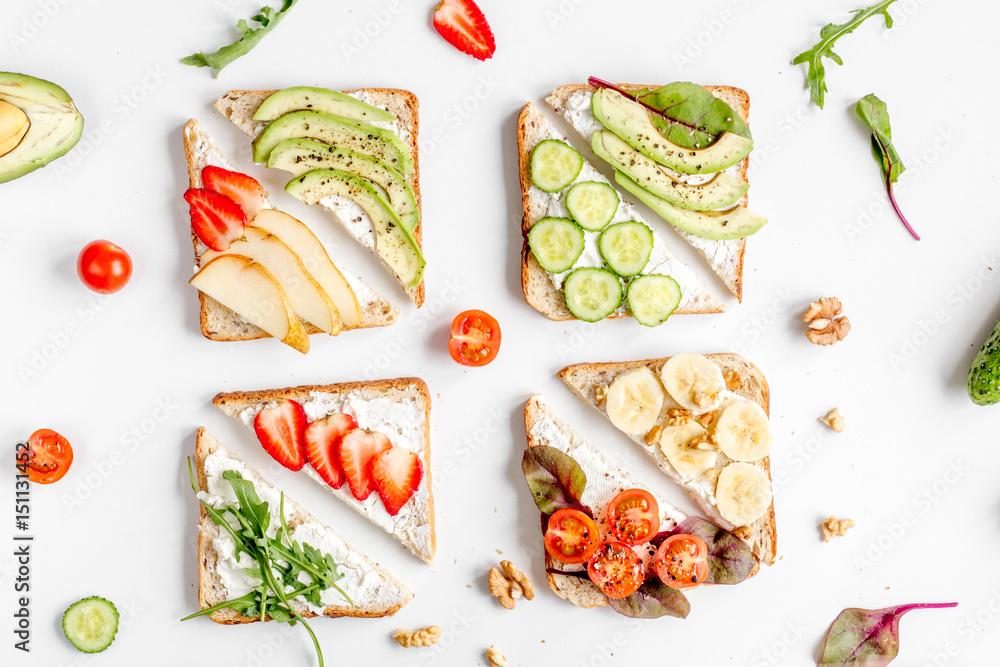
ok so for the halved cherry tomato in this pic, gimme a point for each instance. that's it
(682, 561)
(616, 569)
(104, 267)
(475, 338)
(634, 516)
(572, 537)
(47, 457)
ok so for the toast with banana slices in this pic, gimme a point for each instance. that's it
(388, 117)
(726, 257)
(373, 590)
(704, 421)
(367, 443)
(358, 305)
(545, 290)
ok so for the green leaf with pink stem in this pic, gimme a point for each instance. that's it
(867, 637)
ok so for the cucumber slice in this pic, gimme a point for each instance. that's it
(554, 165)
(592, 204)
(592, 294)
(653, 298)
(626, 247)
(556, 243)
(91, 624)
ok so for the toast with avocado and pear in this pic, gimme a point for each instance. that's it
(588, 253)
(704, 421)
(711, 216)
(355, 305)
(605, 480)
(373, 591)
(355, 154)
(349, 428)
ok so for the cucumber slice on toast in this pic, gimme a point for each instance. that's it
(592, 204)
(91, 624)
(554, 165)
(556, 243)
(592, 294)
(653, 298)
(626, 247)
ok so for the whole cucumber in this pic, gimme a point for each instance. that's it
(984, 376)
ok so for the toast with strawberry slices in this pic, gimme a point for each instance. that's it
(219, 322)
(239, 107)
(374, 591)
(368, 443)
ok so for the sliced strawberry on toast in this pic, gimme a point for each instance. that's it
(242, 189)
(282, 432)
(397, 473)
(215, 218)
(357, 451)
(463, 24)
(323, 438)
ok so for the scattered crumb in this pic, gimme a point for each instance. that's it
(500, 551)
(468, 585)
(834, 420)
(496, 510)
(456, 560)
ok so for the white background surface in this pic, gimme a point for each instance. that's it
(122, 524)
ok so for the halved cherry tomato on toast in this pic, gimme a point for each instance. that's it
(681, 562)
(616, 569)
(47, 458)
(475, 338)
(634, 516)
(104, 267)
(572, 537)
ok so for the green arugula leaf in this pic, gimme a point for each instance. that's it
(268, 19)
(875, 115)
(690, 116)
(828, 36)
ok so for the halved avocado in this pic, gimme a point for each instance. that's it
(54, 124)
(336, 131)
(301, 155)
(630, 120)
(722, 190)
(733, 223)
(319, 99)
(393, 243)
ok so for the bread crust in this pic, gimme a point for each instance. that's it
(233, 403)
(208, 582)
(582, 379)
(737, 98)
(239, 106)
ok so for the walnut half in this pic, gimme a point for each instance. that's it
(834, 420)
(510, 584)
(836, 528)
(826, 323)
(414, 638)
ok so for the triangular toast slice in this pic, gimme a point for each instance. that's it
(218, 322)
(590, 382)
(544, 428)
(725, 257)
(373, 590)
(399, 408)
(239, 107)
(543, 290)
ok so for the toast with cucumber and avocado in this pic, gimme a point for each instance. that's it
(358, 587)
(588, 254)
(681, 150)
(704, 421)
(367, 443)
(355, 154)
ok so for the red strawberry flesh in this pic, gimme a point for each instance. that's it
(463, 24)
(242, 189)
(215, 218)
(323, 438)
(281, 430)
(397, 473)
(357, 451)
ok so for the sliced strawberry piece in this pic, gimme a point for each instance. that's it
(323, 438)
(397, 473)
(357, 451)
(242, 189)
(216, 219)
(282, 432)
(462, 23)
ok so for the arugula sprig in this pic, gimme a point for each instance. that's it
(875, 115)
(249, 38)
(278, 561)
(824, 48)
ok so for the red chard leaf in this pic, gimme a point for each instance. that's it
(867, 637)
(555, 480)
(730, 559)
(654, 599)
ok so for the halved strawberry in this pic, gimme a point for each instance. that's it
(323, 438)
(462, 23)
(357, 451)
(282, 432)
(215, 218)
(242, 189)
(397, 473)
